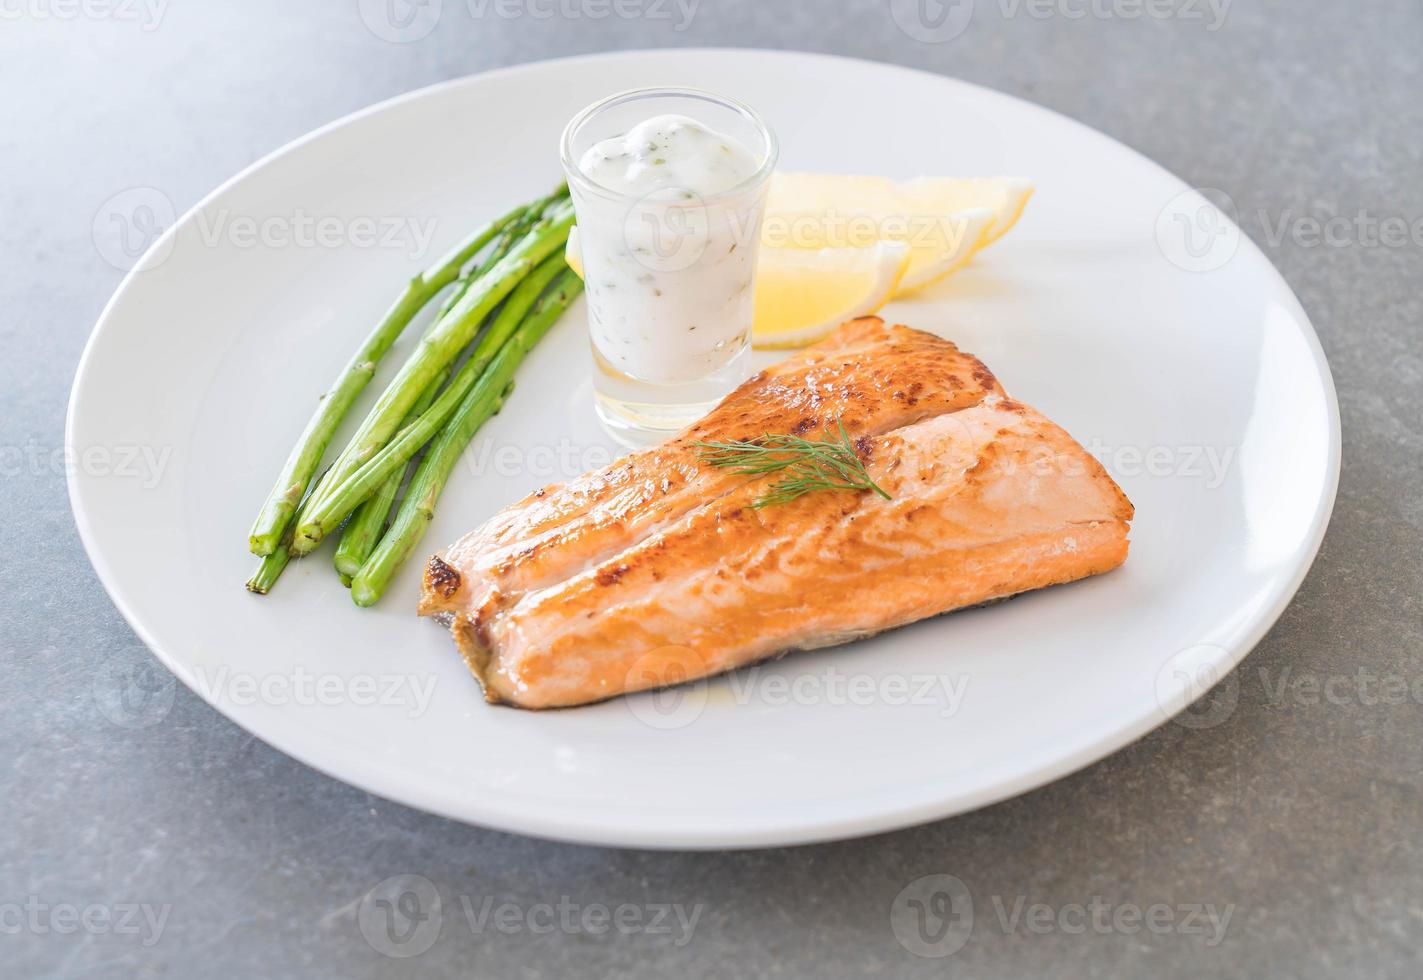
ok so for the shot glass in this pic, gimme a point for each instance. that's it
(670, 274)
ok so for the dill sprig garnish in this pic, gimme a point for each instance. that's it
(809, 465)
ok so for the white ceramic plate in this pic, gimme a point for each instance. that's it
(1159, 337)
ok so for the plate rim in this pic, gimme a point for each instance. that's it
(608, 833)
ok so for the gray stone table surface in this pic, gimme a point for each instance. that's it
(192, 849)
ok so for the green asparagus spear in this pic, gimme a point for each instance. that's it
(318, 521)
(520, 228)
(269, 570)
(367, 524)
(306, 456)
(483, 400)
(515, 230)
(438, 349)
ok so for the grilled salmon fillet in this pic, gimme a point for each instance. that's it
(658, 568)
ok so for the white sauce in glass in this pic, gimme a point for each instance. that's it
(670, 276)
(669, 152)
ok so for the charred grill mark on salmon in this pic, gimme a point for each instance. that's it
(441, 579)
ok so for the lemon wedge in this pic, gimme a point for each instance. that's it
(944, 220)
(573, 253)
(804, 293)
